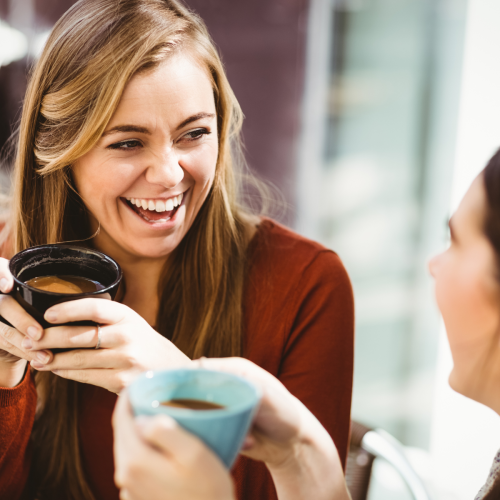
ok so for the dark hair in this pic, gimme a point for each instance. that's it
(491, 178)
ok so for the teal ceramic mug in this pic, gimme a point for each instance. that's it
(223, 430)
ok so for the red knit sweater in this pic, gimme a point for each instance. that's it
(298, 325)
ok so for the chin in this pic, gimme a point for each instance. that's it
(140, 247)
(454, 381)
(153, 252)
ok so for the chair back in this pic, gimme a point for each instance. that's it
(366, 445)
(359, 463)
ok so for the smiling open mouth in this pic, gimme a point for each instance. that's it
(155, 210)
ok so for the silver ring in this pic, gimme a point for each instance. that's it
(98, 337)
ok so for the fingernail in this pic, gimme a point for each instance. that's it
(3, 284)
(43, 357)
(51, 316)
(34, 332)
(26, 343)
(36, 365)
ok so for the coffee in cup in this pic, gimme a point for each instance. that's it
(65, 284)
(223, 428)
(192, 404)
(47, 275)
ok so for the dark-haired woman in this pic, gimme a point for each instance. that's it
(127, 133)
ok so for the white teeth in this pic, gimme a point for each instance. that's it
(159, 221)
(157, 205)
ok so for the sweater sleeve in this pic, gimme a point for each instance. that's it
(317, 363)
(17, 414)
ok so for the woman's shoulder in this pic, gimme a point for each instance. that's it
(283, 246)
(278, 252)
(491, 489)
(295, 289)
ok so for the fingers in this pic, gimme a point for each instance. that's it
(112, 380)
(11, 341)
(66, 337)
(82, 359)
(19, 318)
(126, 442)
(6, 280)
(100, 311)
(139, 468)
(154, 456)
(165, 434)
(243, 368)
(125, 495)
(280, 415)
(123, 419)
(80, 337)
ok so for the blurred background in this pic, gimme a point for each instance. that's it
(371, 117)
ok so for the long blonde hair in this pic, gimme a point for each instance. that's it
(92, 53)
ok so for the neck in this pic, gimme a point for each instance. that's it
(480, 381)
(489, 389)
(142, 274)
(142, 277)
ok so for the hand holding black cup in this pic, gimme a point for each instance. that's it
(60, 260)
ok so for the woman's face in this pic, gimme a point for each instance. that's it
(468, 297)
(148, 176)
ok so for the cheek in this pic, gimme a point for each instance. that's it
(97, 180)
(200, 164)
(467, 304)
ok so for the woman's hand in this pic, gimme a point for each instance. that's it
(295, 447)
(156, 459)
(13, 356)
(128, 345)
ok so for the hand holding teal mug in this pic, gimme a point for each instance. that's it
(223, 429)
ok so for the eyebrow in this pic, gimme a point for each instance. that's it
(194, 118)
(144, 130)
(126, 128)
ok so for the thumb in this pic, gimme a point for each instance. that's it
(168, 437)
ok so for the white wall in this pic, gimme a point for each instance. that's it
(466, 435)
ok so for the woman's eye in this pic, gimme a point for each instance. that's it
(196, 134)
(125, 145)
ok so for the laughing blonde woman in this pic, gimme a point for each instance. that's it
(127, 134)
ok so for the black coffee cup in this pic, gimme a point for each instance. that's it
(60, 260)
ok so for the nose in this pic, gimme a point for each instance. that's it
(164, 169)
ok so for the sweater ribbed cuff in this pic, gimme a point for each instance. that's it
(9, 396)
